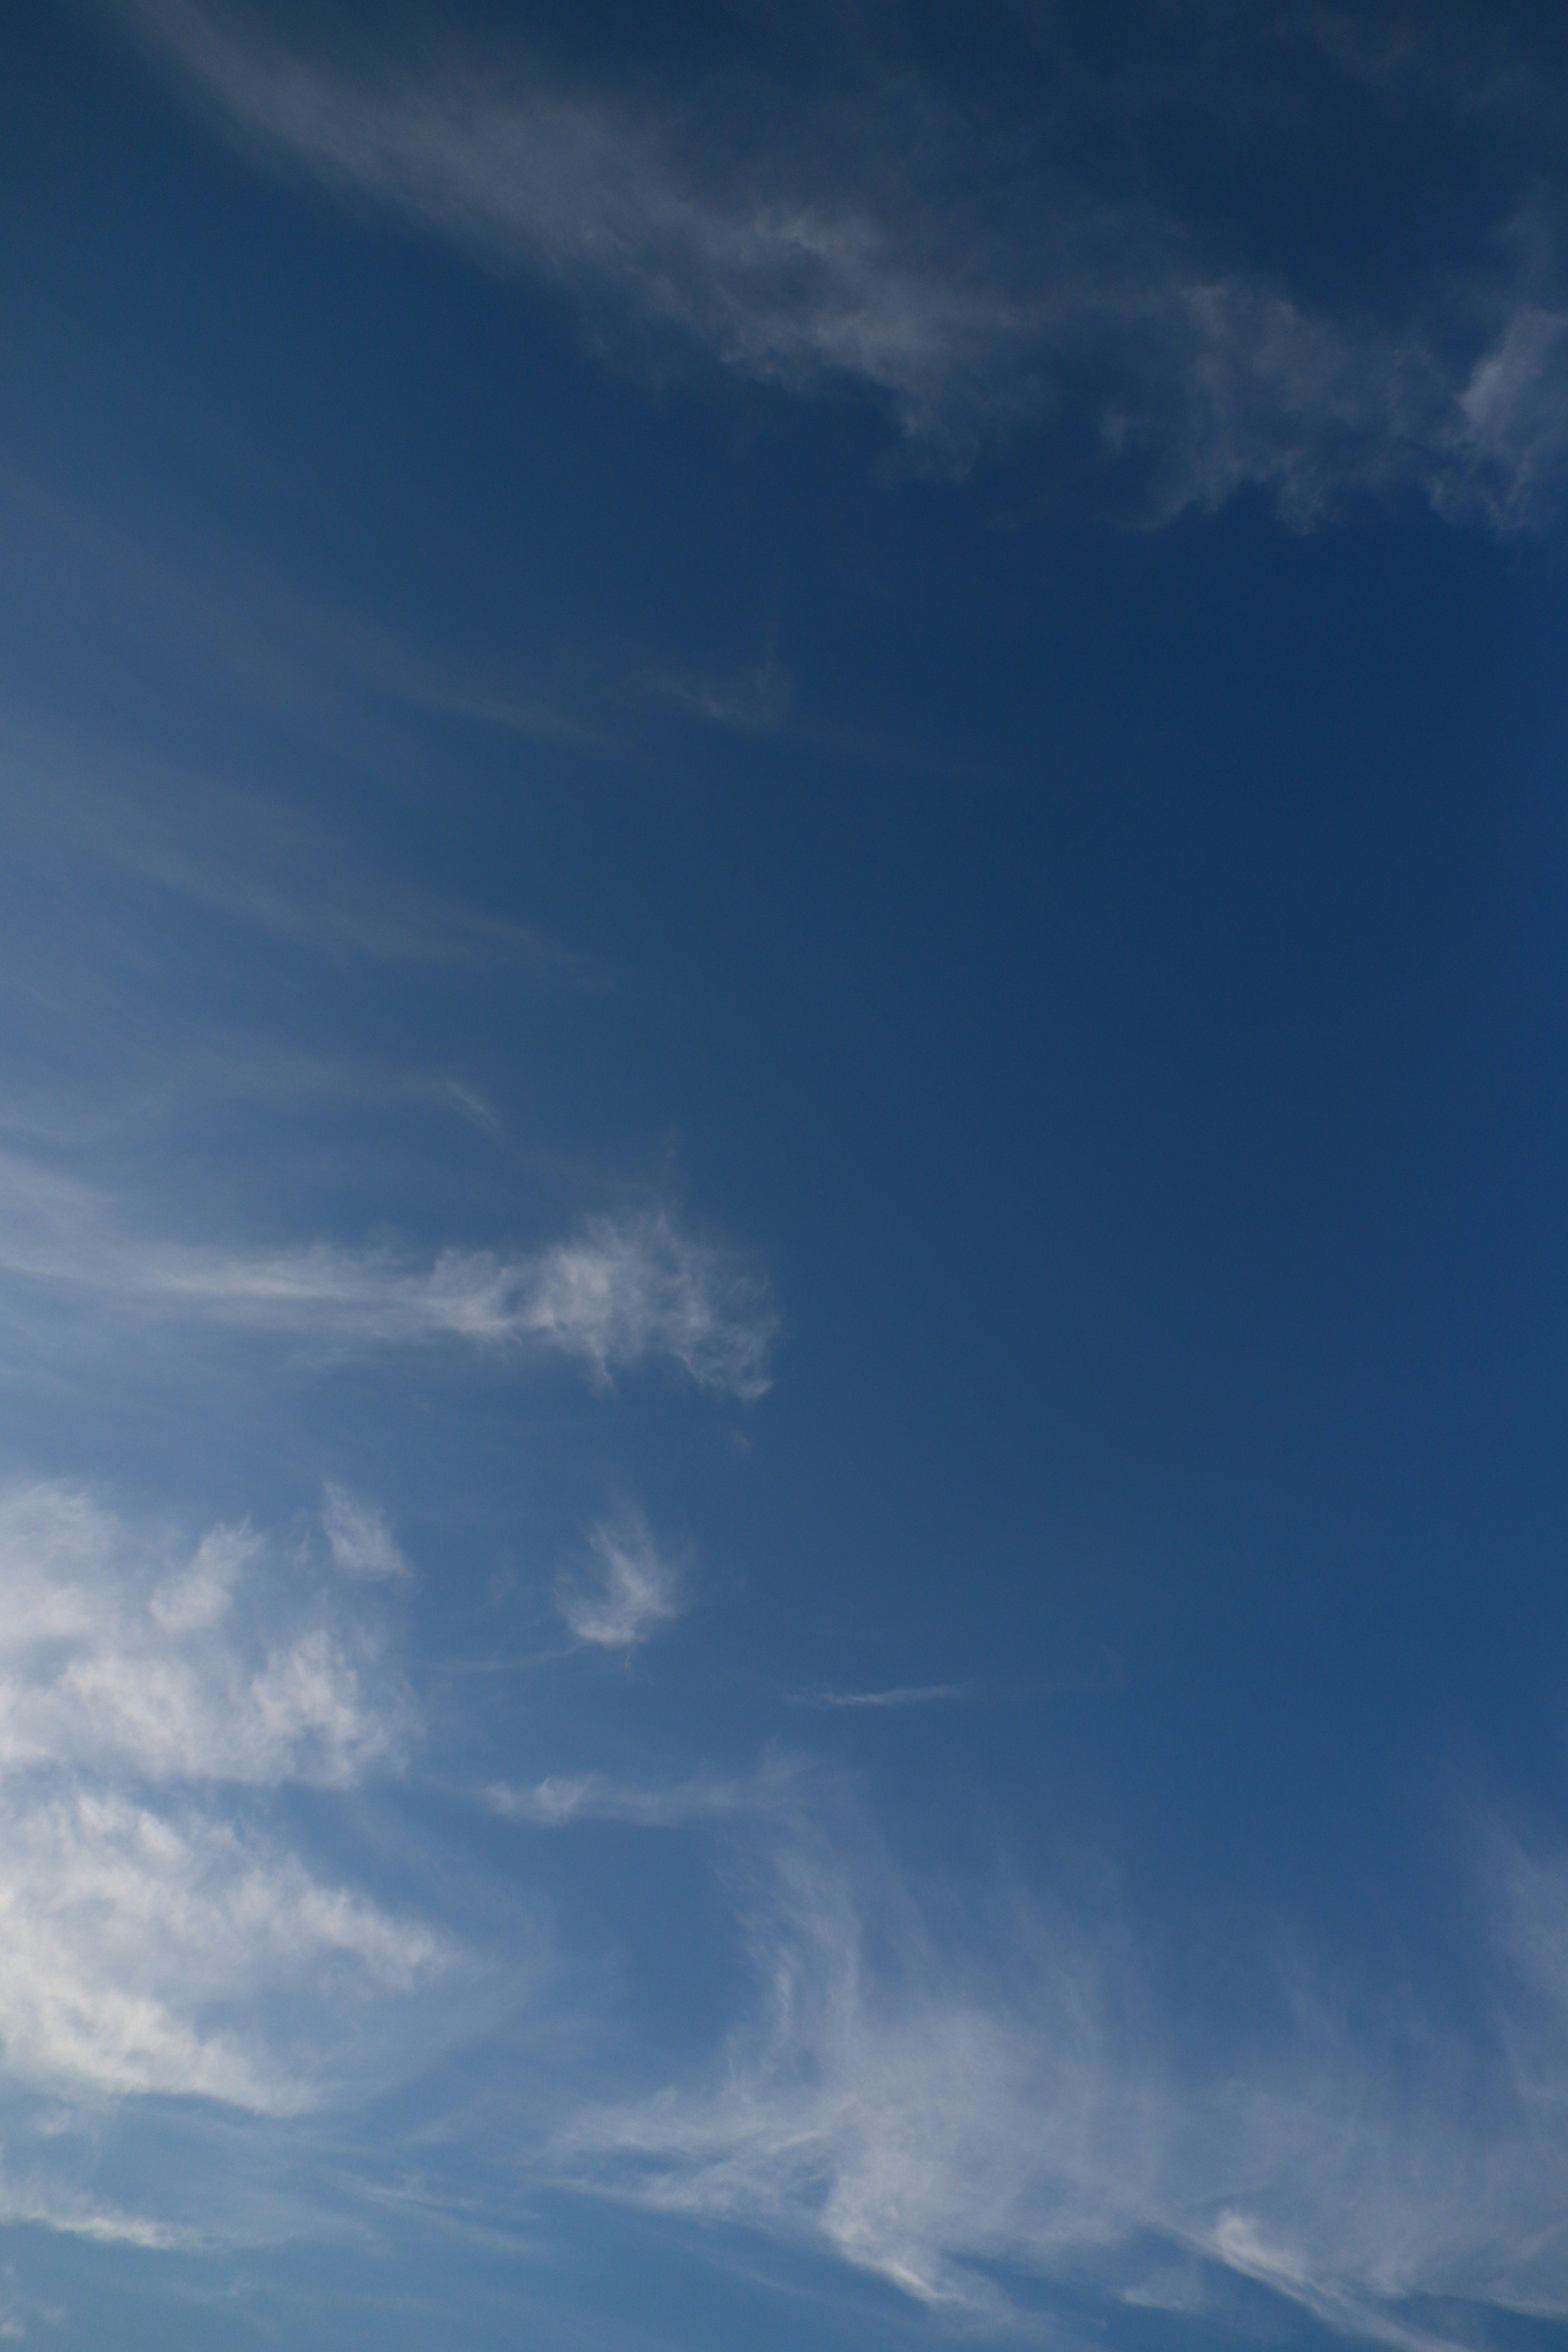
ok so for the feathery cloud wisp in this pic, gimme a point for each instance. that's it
(877, 235)
(624, 1592)
(561, 1800)
(624, 1291)
(360, 1536)
(943, 2115)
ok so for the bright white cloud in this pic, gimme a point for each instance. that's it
(873, 239)
(625, 1291)
(625, 1589)
(125, 1653)
(140, 1947)
(153, 1935)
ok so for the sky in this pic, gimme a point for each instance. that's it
(783, 1302)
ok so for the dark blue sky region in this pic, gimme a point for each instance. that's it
(782, 1147)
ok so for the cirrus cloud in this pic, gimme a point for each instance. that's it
(623, 1292)
(867, 230)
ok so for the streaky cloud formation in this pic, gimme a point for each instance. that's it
(557, 596)
(946, 2111)
(882, 237)
(241, 855)
(624, 1291)
(562, 1800)
(642, 1286)
(624, 1592)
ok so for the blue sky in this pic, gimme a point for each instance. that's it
(781, 1148)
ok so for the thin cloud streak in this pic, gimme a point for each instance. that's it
(860, 243)
(240, 855)
(623, 1292)
(560, 1801)
(913, 1695)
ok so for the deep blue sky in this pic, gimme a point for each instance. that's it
(781, 1271)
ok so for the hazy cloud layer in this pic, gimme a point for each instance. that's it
(232, 852)
(869, 230)
(626, 1290)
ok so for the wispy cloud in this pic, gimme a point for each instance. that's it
(871, 232)
(129, 1927)
(643, 1286)
(624, 1590)
(754, 703)
(624, 1291)
(560, 1801)
(360, 1536)
(240, 855)
(908, 1694)
(969, 1693)
(944, 2110)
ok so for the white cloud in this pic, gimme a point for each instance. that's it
(360, 1536)
(874, 235)
(153, 1935)
(141, 1946)
(939, 2109)
(641, 1286)
(626, 1290)
(121, 1652)
(624, 1592)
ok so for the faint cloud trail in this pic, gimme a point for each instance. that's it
(877, 240)
(914, 1694)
